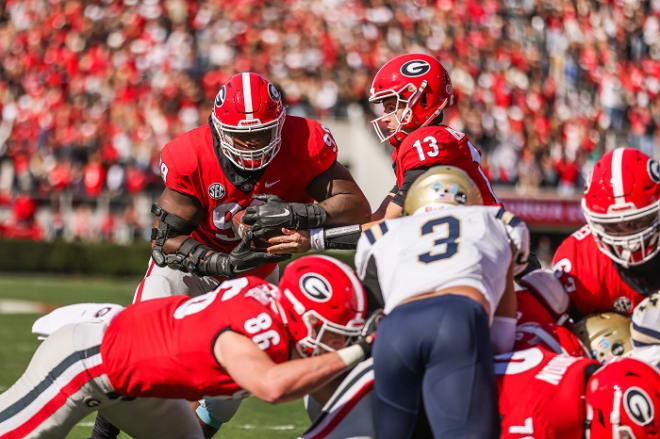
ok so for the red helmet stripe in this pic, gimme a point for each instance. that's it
(247, 96)
(617, 176)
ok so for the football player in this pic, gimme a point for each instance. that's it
(541, 394)
(249, 148)
(140, 366)
(622, 399)
(645, 331)
(445, 276)
(612, 263)
(413, 90)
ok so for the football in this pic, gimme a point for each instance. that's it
(240, 227)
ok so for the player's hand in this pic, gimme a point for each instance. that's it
(290, 241)
(276, 213)
(244, 258)
(368, 333)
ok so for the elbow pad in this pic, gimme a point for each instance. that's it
(503, 334)
(169, 226)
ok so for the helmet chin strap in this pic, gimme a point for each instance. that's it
(436, 113)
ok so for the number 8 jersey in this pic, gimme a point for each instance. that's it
(164, 347)
(405, 257)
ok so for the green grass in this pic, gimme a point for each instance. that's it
(17, 344)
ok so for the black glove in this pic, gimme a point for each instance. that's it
(241, 259)
(276, 213)
(368, 334)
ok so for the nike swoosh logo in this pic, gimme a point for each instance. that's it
(271, 183)
(285, 213)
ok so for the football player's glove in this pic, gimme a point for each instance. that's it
(368, 333)
(241, 259)
(276, 213)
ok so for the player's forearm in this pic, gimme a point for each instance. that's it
(346, 208)
(294, 379)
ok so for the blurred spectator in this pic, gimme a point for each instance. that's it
(90, 91)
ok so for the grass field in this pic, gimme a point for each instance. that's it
(254, 418)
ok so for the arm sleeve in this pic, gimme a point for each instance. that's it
(408, 179)
(321, 151)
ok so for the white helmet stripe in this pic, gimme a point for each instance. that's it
(617, 176)
(247, 95)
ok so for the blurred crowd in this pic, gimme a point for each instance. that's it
(90, 91)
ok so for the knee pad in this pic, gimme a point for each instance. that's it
(216, 411)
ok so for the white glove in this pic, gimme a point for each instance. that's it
(519, 237)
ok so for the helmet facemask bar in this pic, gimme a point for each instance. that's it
(246, 159)
(312, 345)
(406, 114)
(631, 248)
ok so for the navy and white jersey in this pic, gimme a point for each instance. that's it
(456, 246)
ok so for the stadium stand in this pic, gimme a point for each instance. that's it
(90, 91)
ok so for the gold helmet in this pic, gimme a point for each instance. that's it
(606, 335)
(441, 184)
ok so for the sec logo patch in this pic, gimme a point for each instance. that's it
(622, 304)
(315, 287)
(217, 191)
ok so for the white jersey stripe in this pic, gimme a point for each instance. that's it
(247, 96)
(27, 412)
(617, 176)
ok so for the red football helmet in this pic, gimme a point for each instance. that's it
(622, 206)
(320, 294)
(422, 88)
(249, 109)
(552, 337)
(621, 401)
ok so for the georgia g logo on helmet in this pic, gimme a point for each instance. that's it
(220, 97)
(654, 170)
(638, 406)
(416, 67)
(315, 287)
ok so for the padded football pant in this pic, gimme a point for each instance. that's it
(166, 281)
(434, 354)
(65, 381)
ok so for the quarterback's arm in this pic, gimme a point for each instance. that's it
(341, 202)
(254, 371)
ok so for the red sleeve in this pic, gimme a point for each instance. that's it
(321, 151)
(178, 168)
(430, 147)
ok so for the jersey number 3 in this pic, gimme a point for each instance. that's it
(448, 244)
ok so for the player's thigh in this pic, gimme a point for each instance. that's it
(221, 409)
(59, 387)
(459, 384)
(166, 281)
(154, 418)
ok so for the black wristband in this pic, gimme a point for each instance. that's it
(343, 238)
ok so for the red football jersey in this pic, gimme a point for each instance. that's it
(164, 347)
(590, 277)
(441, 145)
(189, 165)
(541, 394)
